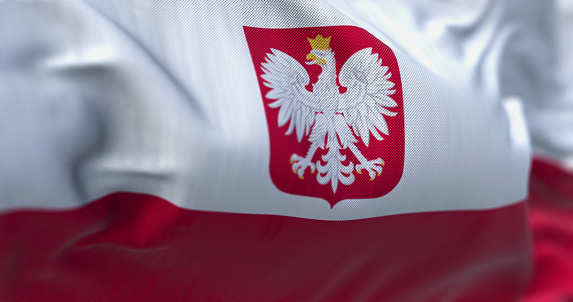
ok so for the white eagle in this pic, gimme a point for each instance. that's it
(329, 115)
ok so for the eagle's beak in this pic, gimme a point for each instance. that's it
(314, 59)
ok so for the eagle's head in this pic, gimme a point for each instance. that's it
(321, 53)
(321, 57)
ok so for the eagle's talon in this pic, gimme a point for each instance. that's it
(299, 165)
(373, 167)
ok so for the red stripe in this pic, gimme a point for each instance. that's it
(551, 215)
(133, 247)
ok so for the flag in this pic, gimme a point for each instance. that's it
(265, 151)
(550, 195)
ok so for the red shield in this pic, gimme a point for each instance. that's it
(343, 42)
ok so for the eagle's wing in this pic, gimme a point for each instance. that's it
(365, 102)
(286, 77)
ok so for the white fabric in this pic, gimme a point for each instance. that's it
(521, 49)
(551, 115)
(162, 98)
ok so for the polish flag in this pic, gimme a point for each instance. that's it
(276, 151)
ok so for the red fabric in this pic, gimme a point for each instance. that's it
(551, 216)
(133, 247)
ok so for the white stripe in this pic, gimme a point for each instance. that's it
(166, 101)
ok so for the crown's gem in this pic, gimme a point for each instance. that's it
(320, 42)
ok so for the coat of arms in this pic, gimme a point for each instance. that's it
(341, 110)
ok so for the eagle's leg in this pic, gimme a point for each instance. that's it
(299, 163)
(373, 167)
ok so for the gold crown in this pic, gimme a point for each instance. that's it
(320, 42)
